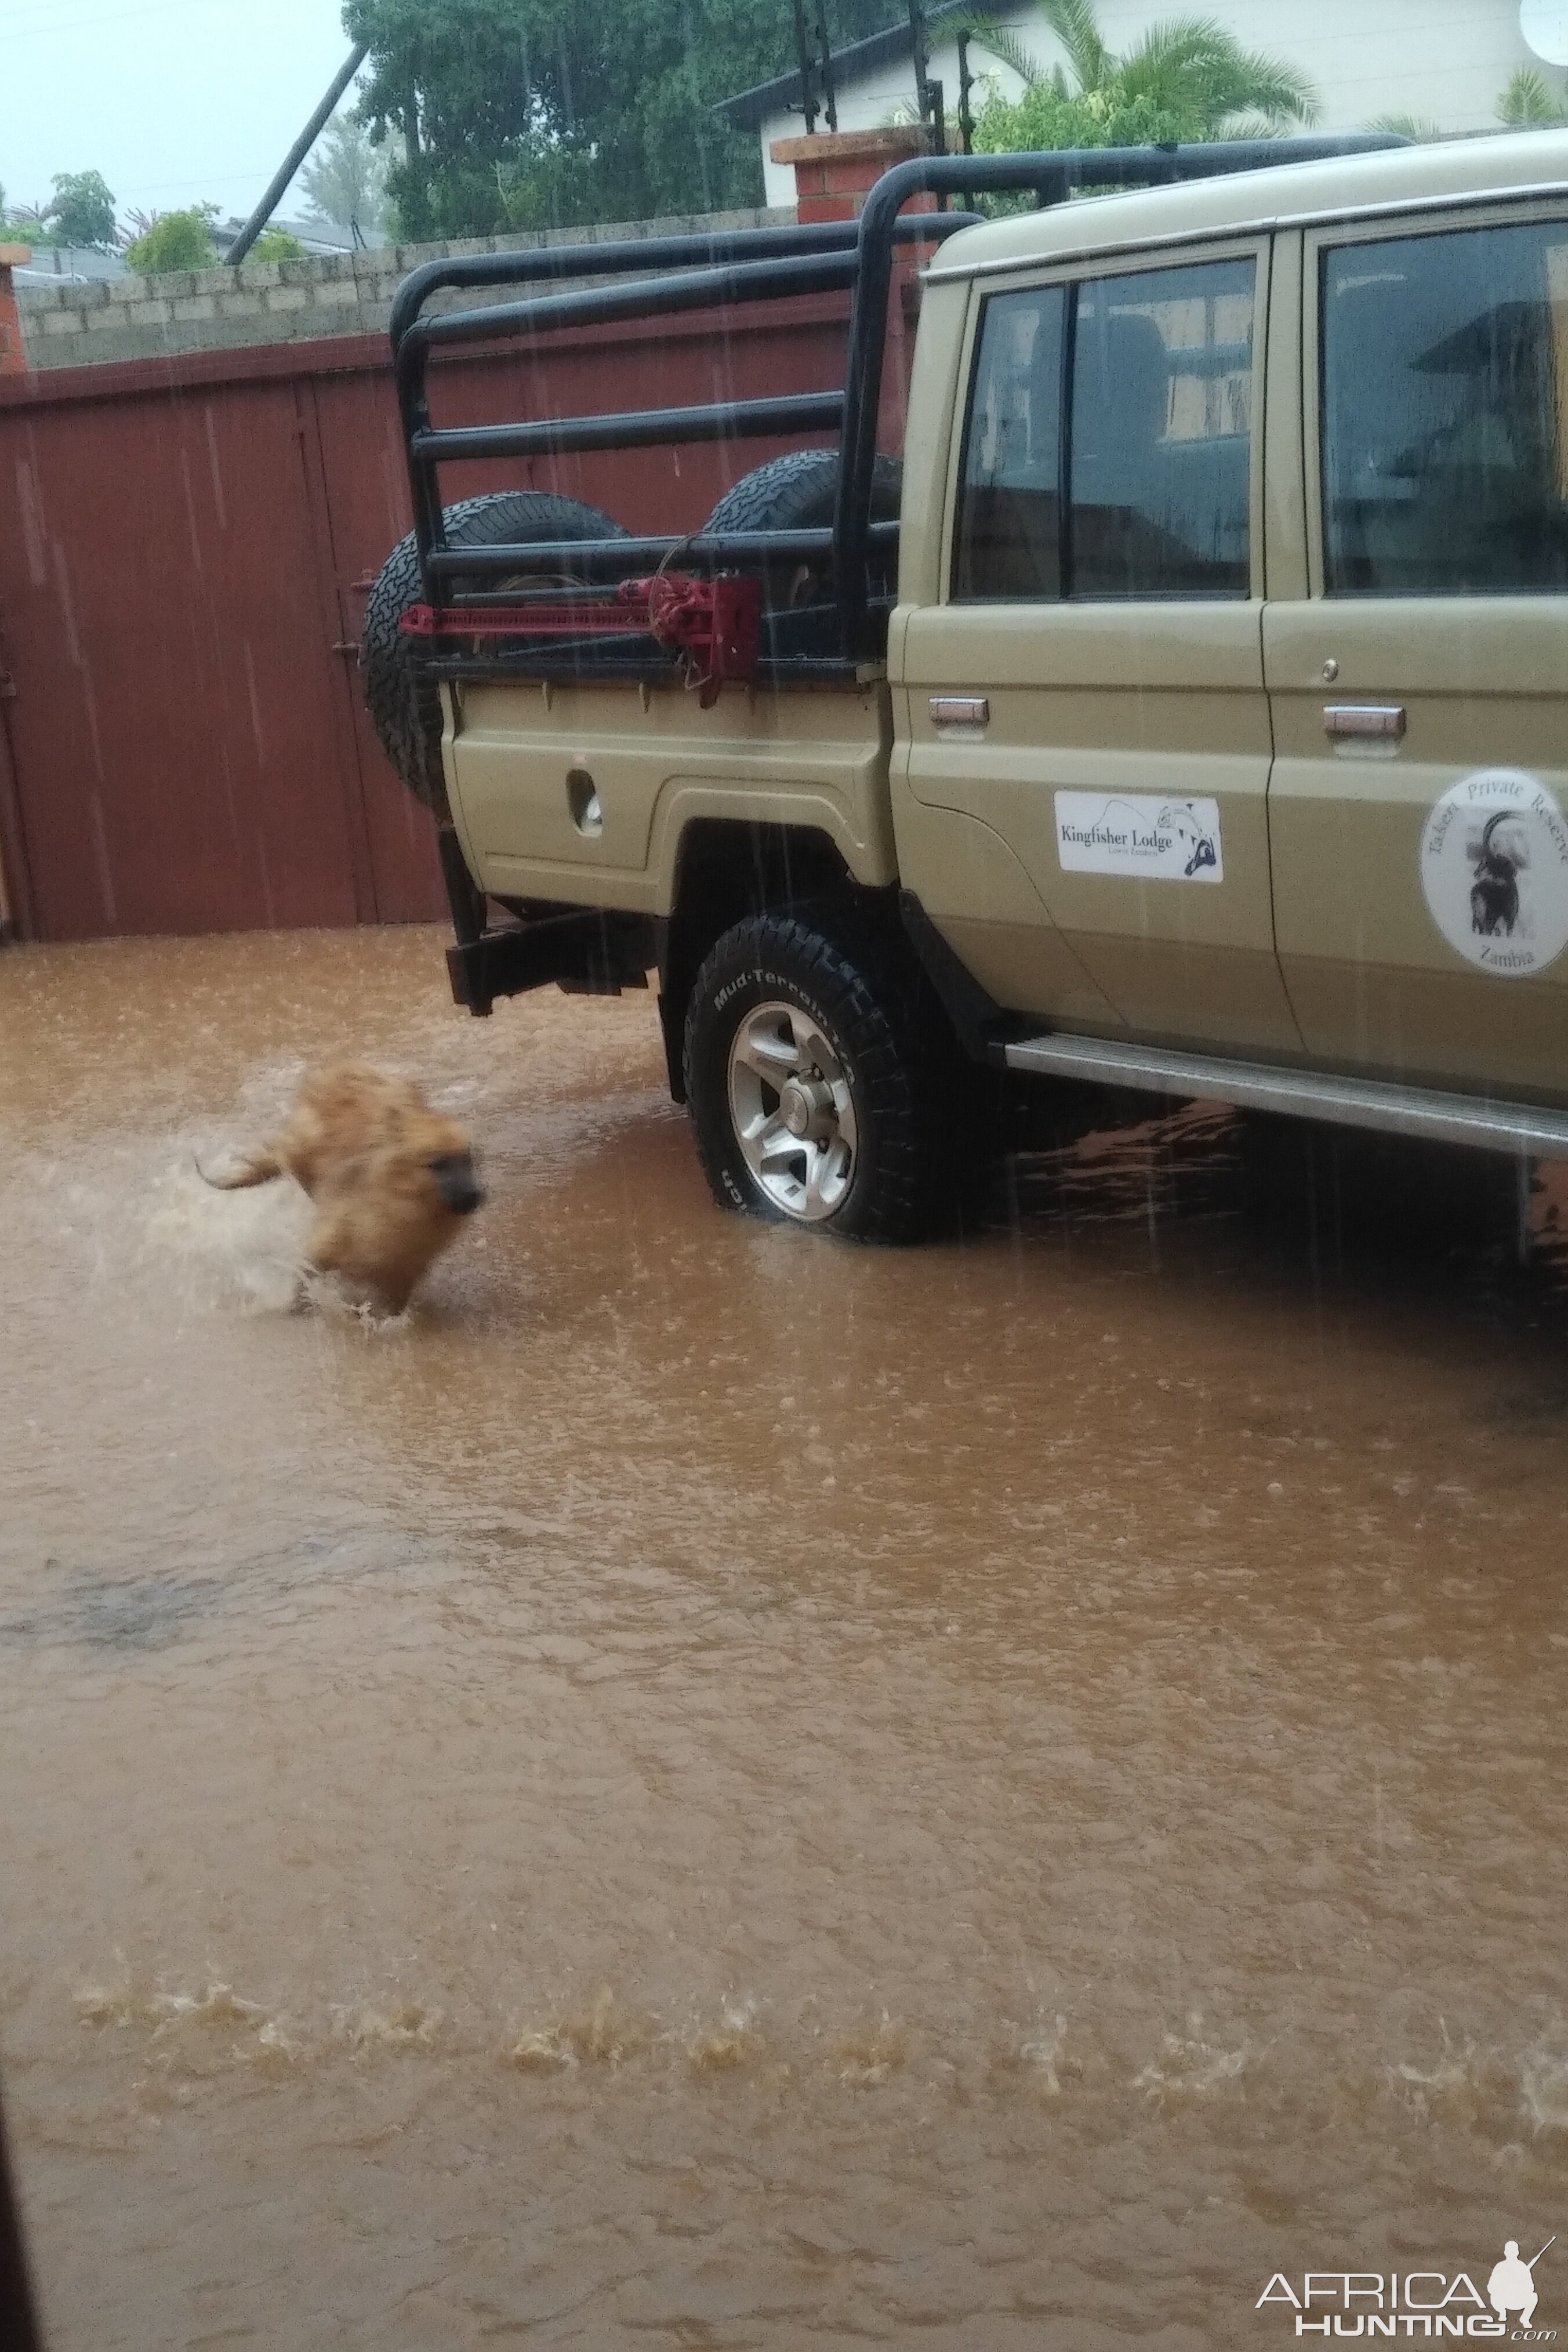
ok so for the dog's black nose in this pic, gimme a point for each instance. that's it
(459, 1188)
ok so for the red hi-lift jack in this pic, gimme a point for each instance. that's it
(714, 627)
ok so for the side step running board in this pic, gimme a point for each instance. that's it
(1304, 1094)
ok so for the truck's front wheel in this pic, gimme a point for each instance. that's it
(812, 1080)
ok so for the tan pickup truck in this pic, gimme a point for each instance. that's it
(1194, 717)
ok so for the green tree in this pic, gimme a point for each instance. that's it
(181, 240)
(502, 113)
(275, 245)
(345, 180)
(82, 211)
(1530, 104)
(1187, 79)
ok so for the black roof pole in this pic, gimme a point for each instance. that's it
(296, 156)
(829, 97)
(808, 104)
(922, 60)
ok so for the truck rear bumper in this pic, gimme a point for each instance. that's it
(584, 953)
(587, 950)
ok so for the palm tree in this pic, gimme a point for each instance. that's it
(1416, 128)
(1190, 74)
(1529, 103)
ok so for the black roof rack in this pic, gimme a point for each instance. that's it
(663, 277)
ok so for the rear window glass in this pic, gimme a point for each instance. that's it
(1444, 466)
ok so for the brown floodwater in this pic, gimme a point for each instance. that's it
(707, 1789)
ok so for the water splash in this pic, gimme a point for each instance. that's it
(375, 2025)
(1188, 2066)
(866, 2059)
(1043, 2052)
(1543, 2087)
(732, 2043)
(603, 2034)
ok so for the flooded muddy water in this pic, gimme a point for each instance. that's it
(711, 1790)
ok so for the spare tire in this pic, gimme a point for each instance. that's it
(405, 707)
(798, 492)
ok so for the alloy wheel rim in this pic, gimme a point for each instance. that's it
(793, 1113)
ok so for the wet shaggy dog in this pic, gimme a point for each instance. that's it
(391, 1179)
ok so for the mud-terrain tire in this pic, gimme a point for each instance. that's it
(841, 1013)
(798, 492)
(406, 708)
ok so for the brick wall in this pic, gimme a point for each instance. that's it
(280, 301)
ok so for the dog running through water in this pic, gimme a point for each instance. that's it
(391, 1179)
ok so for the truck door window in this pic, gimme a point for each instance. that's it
(1008, 537)
(1445, 454)
(1154, 372)
(1161, 427)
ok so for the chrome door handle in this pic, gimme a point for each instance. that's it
(1364, 722)
(960, 711)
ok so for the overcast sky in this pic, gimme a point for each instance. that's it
(173, 101)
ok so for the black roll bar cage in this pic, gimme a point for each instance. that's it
(662, 276)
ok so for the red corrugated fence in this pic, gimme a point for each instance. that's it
(184, 549)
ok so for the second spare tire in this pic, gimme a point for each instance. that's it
(798, 492)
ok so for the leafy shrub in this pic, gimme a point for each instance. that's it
(174, 241)
(277, 244)
(1046, 117)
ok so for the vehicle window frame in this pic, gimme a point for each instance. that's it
(973, 346)
(1084, 269)
(1319, 242)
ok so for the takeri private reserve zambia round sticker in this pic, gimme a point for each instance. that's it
(1494, 865)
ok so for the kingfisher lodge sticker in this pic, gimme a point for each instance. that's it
(1494, 866)
(1133, 832)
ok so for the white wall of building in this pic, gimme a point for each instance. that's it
(1447, 60)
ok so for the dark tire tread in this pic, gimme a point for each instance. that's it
(798, 491)
(874, 1003)
(405, 706)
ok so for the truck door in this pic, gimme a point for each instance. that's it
(1090, 684)
(1420, 792)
